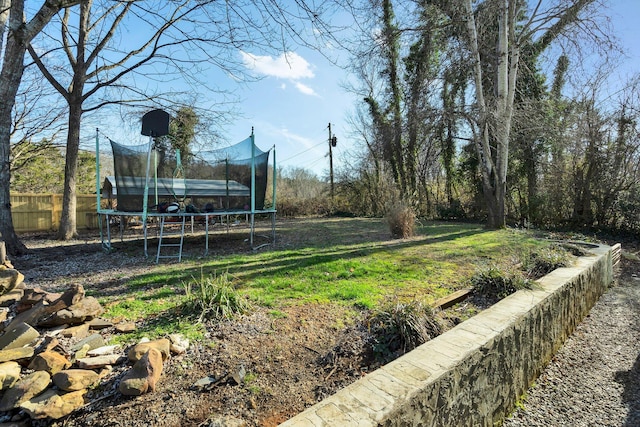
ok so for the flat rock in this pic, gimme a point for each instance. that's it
(16, 354)
(33, 315)
(55, 331)
(19, 335)
(93, 341)
(11, 297)
(25, 389)
(9, 279)
(207, 383)
(99, 324)
(75, 379)
(84, 310)
(9, 374)
(98, 362)
(80, 331)
(50, 361)
(52, 405)
(104, 350)
(125, 327)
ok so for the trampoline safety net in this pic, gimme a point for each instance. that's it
(207, 181)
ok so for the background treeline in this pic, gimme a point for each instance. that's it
(573, 146)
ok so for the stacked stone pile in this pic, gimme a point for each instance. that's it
(52, 350)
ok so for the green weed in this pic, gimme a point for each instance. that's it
(545, 260)
(495, 282)
(214, 298)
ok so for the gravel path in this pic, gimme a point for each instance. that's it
(594, 380)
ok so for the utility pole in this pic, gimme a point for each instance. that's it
(333, 141)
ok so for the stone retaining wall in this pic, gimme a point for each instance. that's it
(473, 374)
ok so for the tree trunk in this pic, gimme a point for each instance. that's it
(18, 38)
(75, 97)
(495, 209)
(10, 76)
(68, 223)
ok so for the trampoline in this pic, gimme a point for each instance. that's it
(208, 184)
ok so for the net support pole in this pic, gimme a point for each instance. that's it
(226, 180)
(273, 183)
(145, 196)
(253, 185)
(273, 197)
(155, 175)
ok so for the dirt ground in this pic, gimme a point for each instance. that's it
(289, 363)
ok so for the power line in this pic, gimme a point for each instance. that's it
(302, 152)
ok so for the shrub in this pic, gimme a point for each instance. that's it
(545, 261)
(214, 298)
(495, 283)
(402, 221)
(400, 327)
(452, 211)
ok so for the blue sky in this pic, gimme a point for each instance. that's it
(625, 18)
(292, 106)
(299, 93)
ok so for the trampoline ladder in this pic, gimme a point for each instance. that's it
(174, 248)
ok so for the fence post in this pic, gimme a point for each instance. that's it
(56, 210)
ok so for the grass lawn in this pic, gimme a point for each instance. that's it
(350, 262)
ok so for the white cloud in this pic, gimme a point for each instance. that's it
(305, 89)
(282, 133)
(295, 139)
(289, 65)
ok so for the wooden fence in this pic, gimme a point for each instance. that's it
(41, 212)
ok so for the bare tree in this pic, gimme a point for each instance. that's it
(37, 120)
(175, 41)
(19, 34)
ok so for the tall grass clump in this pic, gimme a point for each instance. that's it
(399, 327)
(401, 220)
(544, 261)
(494, 282)
(214, 298)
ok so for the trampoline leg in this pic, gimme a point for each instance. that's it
(252, 228)
(273, 228)
(109, 231)
(206, 234)
(144, 229)
(106, 246)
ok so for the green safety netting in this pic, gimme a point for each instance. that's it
(233, 178)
